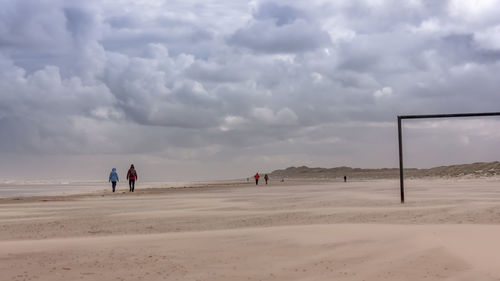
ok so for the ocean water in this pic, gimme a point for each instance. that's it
(42, 189)
(10, 189)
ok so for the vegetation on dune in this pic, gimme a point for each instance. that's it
(480, 169)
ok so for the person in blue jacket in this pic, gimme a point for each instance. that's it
(113, 178)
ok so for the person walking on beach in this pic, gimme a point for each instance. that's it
(256, 178)
(266, 178)
(113, 178)
(345, 179)
(132, 177)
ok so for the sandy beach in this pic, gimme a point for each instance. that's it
(447, 230)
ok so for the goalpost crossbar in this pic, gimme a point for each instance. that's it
(426, 116)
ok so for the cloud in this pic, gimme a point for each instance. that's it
(280, 29)
(32, 25)
(282, 117)
(474, 12)
(384, 92)
(38, 108)
(488, 39)
(232, 122)
(190, 83)
(267, 37)
(280, 14)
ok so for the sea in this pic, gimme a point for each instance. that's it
(9, 189)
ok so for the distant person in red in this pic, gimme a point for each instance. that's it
(132, 177)
(266, 178)
(256, 179)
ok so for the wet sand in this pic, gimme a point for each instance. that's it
(447, 230)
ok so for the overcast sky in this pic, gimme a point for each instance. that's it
(222, 88)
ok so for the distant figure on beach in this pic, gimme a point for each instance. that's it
(266, 178)
(113, 178)
(256, 178)
(132, 177)
(345, 179)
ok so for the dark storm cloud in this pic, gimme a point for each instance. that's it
(267, 36)
(31, 25)
(281, 14)
(462, 48)
(217, 72)
(178, 38)
(280, 29)
(132, 32)
(270, 83)
(79, 22)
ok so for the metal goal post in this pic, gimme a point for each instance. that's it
(426, 116)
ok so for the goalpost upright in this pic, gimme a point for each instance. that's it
(426, 116)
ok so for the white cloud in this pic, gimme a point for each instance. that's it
(428, 26)
(106, 113)
(488, 39)
(474, 11)
(316, 77)
(232, 122)
(384, 92)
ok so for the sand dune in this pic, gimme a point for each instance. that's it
(473, 170)
(447, 230)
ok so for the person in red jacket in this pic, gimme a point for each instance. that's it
(132, 177)
(256, 179)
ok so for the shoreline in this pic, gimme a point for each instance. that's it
(104, 189)
(89, 188)
(158, 188)
(146, 188)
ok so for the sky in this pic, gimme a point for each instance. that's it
(221, 89)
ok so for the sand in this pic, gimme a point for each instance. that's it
(447, 230)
